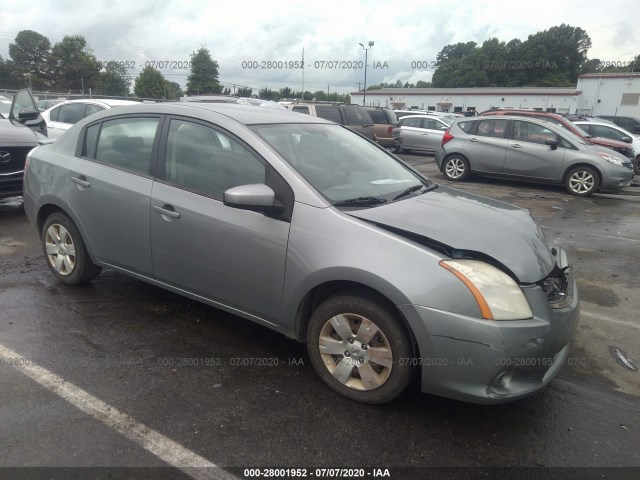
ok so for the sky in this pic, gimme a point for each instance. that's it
(249, 33)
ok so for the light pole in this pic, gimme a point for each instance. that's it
(366, 52)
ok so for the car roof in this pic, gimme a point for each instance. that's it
(244, 114)
(98, 101)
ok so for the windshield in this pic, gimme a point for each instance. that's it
(5, 108)
(580, 131)
(340, 164)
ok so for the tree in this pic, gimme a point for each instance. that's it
(73, 65)
(115, 80)
(172, 90)
(244, 91)
(9, 77)
(30, 54)
(149, 84)
(203, 78)
(267, 94)
(423, 84)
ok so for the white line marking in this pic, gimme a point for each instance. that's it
(599, 316)
(153, 442)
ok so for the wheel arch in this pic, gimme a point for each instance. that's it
(452, 154)
(327, 289)
(578, 165)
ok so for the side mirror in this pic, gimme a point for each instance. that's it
(626, 139)
(552, 143)
(26, 115)
(256, 196)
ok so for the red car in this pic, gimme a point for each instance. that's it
(620, 147)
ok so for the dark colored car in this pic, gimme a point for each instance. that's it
(353, 117)
(19, 133)
(620, 147)
(631, 124)
(384, 119)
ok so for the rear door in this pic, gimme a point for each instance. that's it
(528, 156)
(486, 148)
(432, 133)
(110, 190)
(411, 132)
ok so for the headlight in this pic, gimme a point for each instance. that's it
(610, 158)
(498, 296)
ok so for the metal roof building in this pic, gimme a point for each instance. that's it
(609, 94)
(562, 100)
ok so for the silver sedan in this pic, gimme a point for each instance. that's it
(307, 228)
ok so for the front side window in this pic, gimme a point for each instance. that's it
(532, 132)
(607, 132)
(124, 143)
(204, 159)
(411, 122)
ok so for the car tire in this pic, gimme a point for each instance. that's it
(636, 165)
(65, 251)
(582, 181)
(456, 168)
(355, 330)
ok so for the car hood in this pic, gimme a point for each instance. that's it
(471, 223)
(609, 142)
(15, 134)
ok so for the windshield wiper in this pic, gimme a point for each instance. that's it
(408, 191)
(360, 202)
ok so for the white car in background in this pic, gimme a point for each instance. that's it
(61, 117)
(607, 129)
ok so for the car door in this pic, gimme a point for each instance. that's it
(529, 156)
(23, 110)
(432, 133)
(110, 190)
(200, 245)
(486, 145)
(411, 132)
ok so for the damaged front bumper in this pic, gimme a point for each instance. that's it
(485, 361)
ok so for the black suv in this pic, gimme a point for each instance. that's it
(631, 124)
(352, 116)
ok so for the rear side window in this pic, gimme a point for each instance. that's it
(125, 143)
(53, 114)
(393, 119)
(72, 113)
(329, 113)
(357, 116)
(378, 116)
(492, 128)
(301, 110)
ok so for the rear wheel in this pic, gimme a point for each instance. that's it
(359, 348)
(582, 181)
(636, 165)
(65, 252)
(456, 168)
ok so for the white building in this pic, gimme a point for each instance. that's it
(608, 94)
(561, 100)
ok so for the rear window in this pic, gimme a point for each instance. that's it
(329, 113)
(377, 116)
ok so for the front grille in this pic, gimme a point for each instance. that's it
(556, 287)
(10, 185)
(12, 159)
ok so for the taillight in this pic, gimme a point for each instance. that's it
(390, 129)
(447, 137)
(26, 164)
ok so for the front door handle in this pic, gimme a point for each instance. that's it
(516, 145)
(166, 211)
(81, 180)
(473, 139)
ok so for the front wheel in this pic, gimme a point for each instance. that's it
(582, 181)
(636, 165)
(65, 252)
(359, 349)
(456, 168)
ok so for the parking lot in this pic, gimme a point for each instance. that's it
(124, 374)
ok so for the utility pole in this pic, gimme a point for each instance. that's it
(366, 56)
(327, 92)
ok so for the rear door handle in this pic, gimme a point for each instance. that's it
(81, 180)
(473, 139)
(166, 211)
(516, 145)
